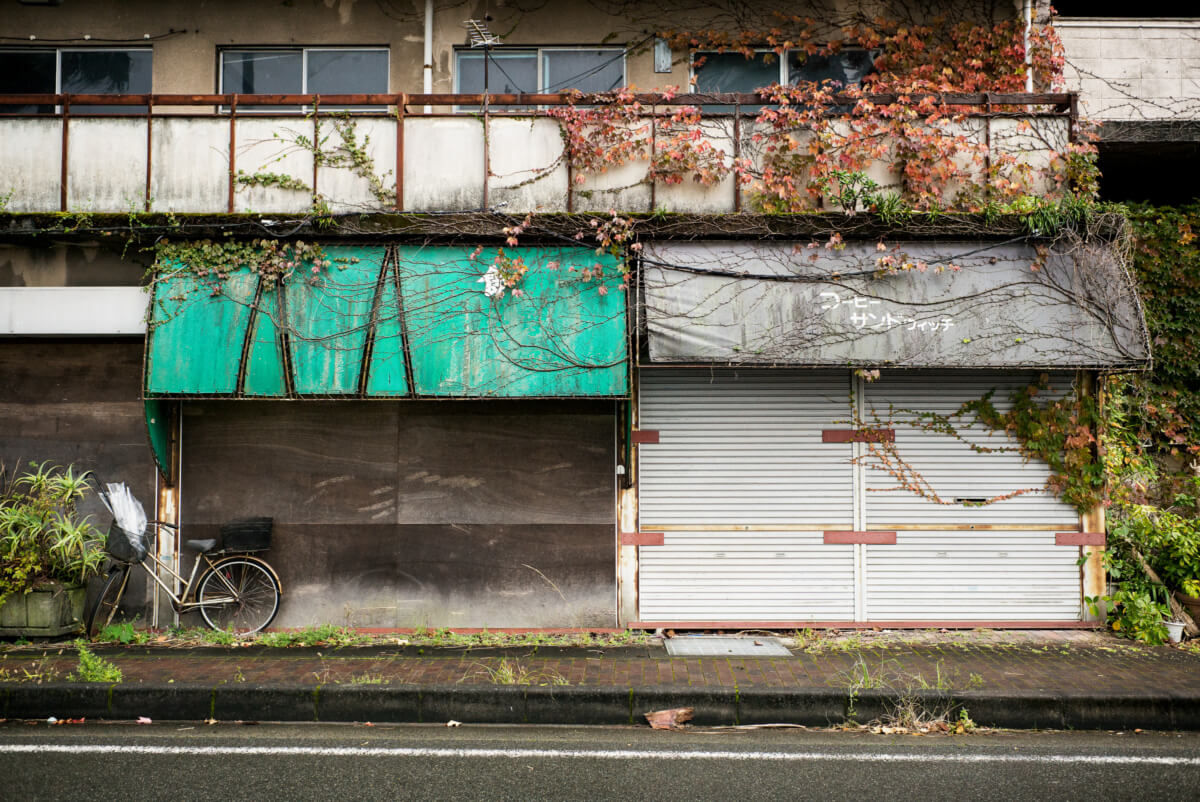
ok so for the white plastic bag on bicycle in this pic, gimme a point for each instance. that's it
(126, 509)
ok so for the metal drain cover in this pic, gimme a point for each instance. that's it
(725, 646)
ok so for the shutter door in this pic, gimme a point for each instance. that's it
(743, 487)
(1006, 568)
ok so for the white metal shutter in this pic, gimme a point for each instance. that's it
(742, 486)
(743, 447)
(746, 576)
(992, 575)
(1009, 569)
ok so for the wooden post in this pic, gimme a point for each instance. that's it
(166, 543)
(1094, 579)
(627, 521)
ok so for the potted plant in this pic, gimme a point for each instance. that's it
(47, 551)
(1174, 630)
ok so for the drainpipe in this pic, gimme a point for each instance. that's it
(1027, 12)
(427, 85)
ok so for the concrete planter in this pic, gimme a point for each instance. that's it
(48, 611)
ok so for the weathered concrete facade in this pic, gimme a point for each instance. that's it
(394, 513)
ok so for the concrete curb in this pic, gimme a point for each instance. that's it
(509, 704)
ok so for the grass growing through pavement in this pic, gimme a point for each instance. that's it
(909, 706)
(511, 672)
(324, 635)
(39, 672)
(93, 668)
(331, 636)
(123, 632)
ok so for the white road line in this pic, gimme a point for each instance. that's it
(597, 754)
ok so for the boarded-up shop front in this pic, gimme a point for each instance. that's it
(793, 484)
(432, 455)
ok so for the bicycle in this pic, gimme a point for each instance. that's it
(236, 592)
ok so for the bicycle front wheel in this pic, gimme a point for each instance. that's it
(105, 608)
(238, 595)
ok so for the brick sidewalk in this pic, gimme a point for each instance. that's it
(1052, 661)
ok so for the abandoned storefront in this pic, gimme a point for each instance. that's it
(803, 452)
(433, 452)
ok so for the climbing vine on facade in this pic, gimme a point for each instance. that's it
(1059, 431)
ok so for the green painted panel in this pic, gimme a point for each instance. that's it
(264, 359)
(158, 429)
(560, 332)
(387, 376)
(195, 338)
(328, 320)
(564, 335)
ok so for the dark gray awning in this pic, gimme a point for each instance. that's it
(783, 303)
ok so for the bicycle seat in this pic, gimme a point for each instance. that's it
(201, 545)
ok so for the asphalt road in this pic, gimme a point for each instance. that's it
(292, 762)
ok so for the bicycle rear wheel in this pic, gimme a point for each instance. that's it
(105, 609)
(239, 595)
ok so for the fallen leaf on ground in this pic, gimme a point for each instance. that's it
(672, 719)
(144, 720)
(453, 723)
(210, 721)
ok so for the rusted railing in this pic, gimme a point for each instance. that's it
(1060, 101)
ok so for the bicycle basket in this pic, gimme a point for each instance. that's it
(125, 546)
(247, 534)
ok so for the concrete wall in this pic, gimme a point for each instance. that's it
(443, 165)
(78, 402)
(183, 165)
(1134, 69)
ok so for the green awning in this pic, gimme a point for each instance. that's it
(394, 322)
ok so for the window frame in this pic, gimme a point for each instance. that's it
(784, 64)
(304, 51)
(89, 110)
(539, 54)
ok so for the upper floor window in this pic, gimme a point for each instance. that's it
(733, 72)
(93, 71)
(540, 70)
(304, 71)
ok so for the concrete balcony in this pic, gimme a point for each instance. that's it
(212, 154)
